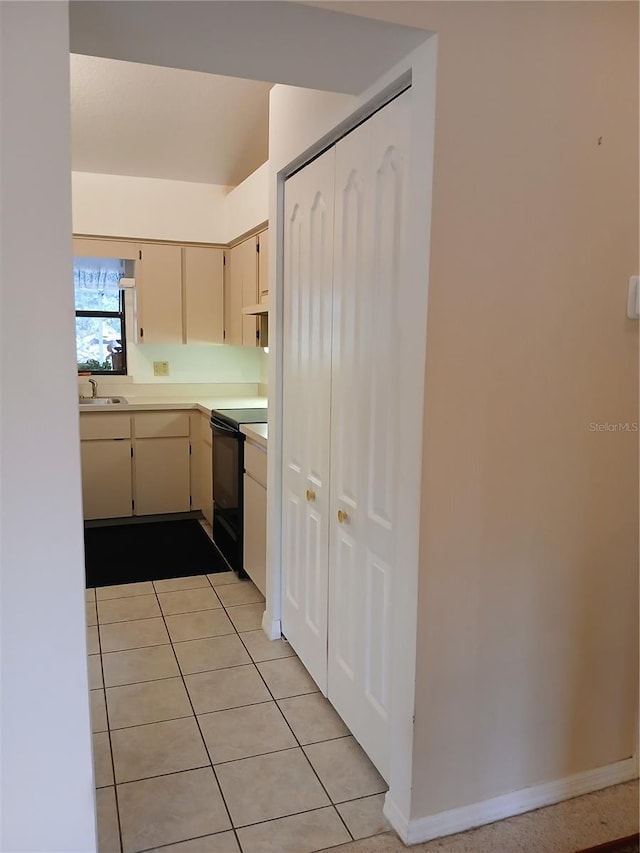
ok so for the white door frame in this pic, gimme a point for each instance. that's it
(419, 69)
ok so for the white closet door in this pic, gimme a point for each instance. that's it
(306, 336)
(372, 174)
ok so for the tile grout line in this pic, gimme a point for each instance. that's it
(181, 675)
(300, 747)
(195, 716)
(146, 618)
(229, 760)
(248, 826)
(332, 804)
(204, 672)
(106, 712)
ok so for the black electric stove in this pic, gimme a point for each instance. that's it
(235, 417)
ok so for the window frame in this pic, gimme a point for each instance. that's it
(123, 340)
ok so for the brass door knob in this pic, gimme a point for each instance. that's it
(343, 516)
(311, 496)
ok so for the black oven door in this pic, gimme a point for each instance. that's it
(228, 465)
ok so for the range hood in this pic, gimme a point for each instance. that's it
(260, 308)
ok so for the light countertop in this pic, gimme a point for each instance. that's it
(163, 403)
(256, 432)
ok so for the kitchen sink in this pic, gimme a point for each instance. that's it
(101, 401)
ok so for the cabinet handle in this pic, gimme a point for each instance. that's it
(343, 517)
(311, 496)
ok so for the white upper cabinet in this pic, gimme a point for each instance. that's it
(232, 304)
(180, 294)
(263, 266)
(242, 292)
(90, 247)
(203, 281)
(159, 294)
(179, 289)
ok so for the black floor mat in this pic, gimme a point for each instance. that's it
(126, 553)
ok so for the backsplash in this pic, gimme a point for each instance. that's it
(192, 363)
(203, 369)
(123, 386)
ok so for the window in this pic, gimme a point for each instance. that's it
(100, 329)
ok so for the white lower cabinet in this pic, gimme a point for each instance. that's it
(255, 514)
(162, 482)
(105, 450)
(161, 464)
(138, 464)
(106, 478)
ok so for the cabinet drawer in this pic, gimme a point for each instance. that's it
(255, 462)
(161, 424)
(104, 426)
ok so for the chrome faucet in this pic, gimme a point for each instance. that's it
(94, 388)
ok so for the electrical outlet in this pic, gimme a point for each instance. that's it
(160, 368)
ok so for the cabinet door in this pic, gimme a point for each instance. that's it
(255, 532)
(250, 336)
(159, 294)
(206, 481)
(161, 475)
(206, 468)
(263, 266)
(243, 291)
(201, 468)
(203, 295)
(87, 247)
(306, 341)
(233, 299)
(372, 177)
(106, 478)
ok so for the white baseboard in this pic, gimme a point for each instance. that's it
(507, 805)
(271, 627)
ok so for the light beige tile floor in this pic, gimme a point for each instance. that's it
(208, 738)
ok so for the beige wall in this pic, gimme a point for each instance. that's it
(528, 602)
(47, 794)
(148, 208)
(158, 209)
(247, 205)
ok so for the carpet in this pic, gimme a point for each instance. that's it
(630, 844)
(127, 553)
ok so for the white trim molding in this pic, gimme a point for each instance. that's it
(507, 805)
(271, 627)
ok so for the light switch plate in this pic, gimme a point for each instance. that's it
(160, 368)
(633, 298)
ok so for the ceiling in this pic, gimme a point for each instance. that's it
(156, 122)
(147, 98)
(284, 42)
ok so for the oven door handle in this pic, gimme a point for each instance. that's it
(224, 427)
